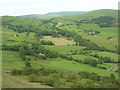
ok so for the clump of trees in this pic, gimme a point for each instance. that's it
(104, 21)
(90, 61)
(43, 42)
(102, 59)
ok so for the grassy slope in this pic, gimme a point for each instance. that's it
(15, 62)
(64, 49)
(94, 14)
(10, 81)
(108, 54)
(11, 60)
(8, 34)
(105, 32)
(76, 67)
(102, 41)
(82, 57)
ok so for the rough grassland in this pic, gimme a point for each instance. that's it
(11, 60)
(10, 81)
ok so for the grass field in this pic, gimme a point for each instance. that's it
(64, 49)
(109, 65)
(108, 54)
(76, 67)
(8, 34)
(103, 42)
(59, 40)
(83, 57)
(11, 60)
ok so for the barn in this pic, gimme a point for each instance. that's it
(41, 54)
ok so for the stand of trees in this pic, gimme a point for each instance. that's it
(43, 42)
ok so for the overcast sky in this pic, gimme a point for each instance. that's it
(24, 7)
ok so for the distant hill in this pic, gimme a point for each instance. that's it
(54, 14)
(93, 15)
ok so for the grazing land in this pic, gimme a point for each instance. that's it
(75, 51)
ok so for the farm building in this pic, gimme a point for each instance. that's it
(41, 54)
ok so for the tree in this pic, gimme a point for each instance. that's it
(27, 63)
(100, 61)
(27, 34)
(38, 36)
(90, 61)
(107, 59)
(93, 62)
(112, 76)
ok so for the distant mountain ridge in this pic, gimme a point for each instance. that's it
(54, 14)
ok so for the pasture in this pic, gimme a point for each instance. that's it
(59, 40)
(82, 57)
(76, 67)
(108, 54)
(64, 49)
(103, 42)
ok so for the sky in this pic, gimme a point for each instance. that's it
(25, 7)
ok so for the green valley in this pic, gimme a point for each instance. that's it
(70, 51)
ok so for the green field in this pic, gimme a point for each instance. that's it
(8, 34)
(76, 67)
(58, 41)
(11, 60)
(82, 57)
(108, 54)
(64, 49)
(103, 42)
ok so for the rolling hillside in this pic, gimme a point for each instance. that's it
(70, 51)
